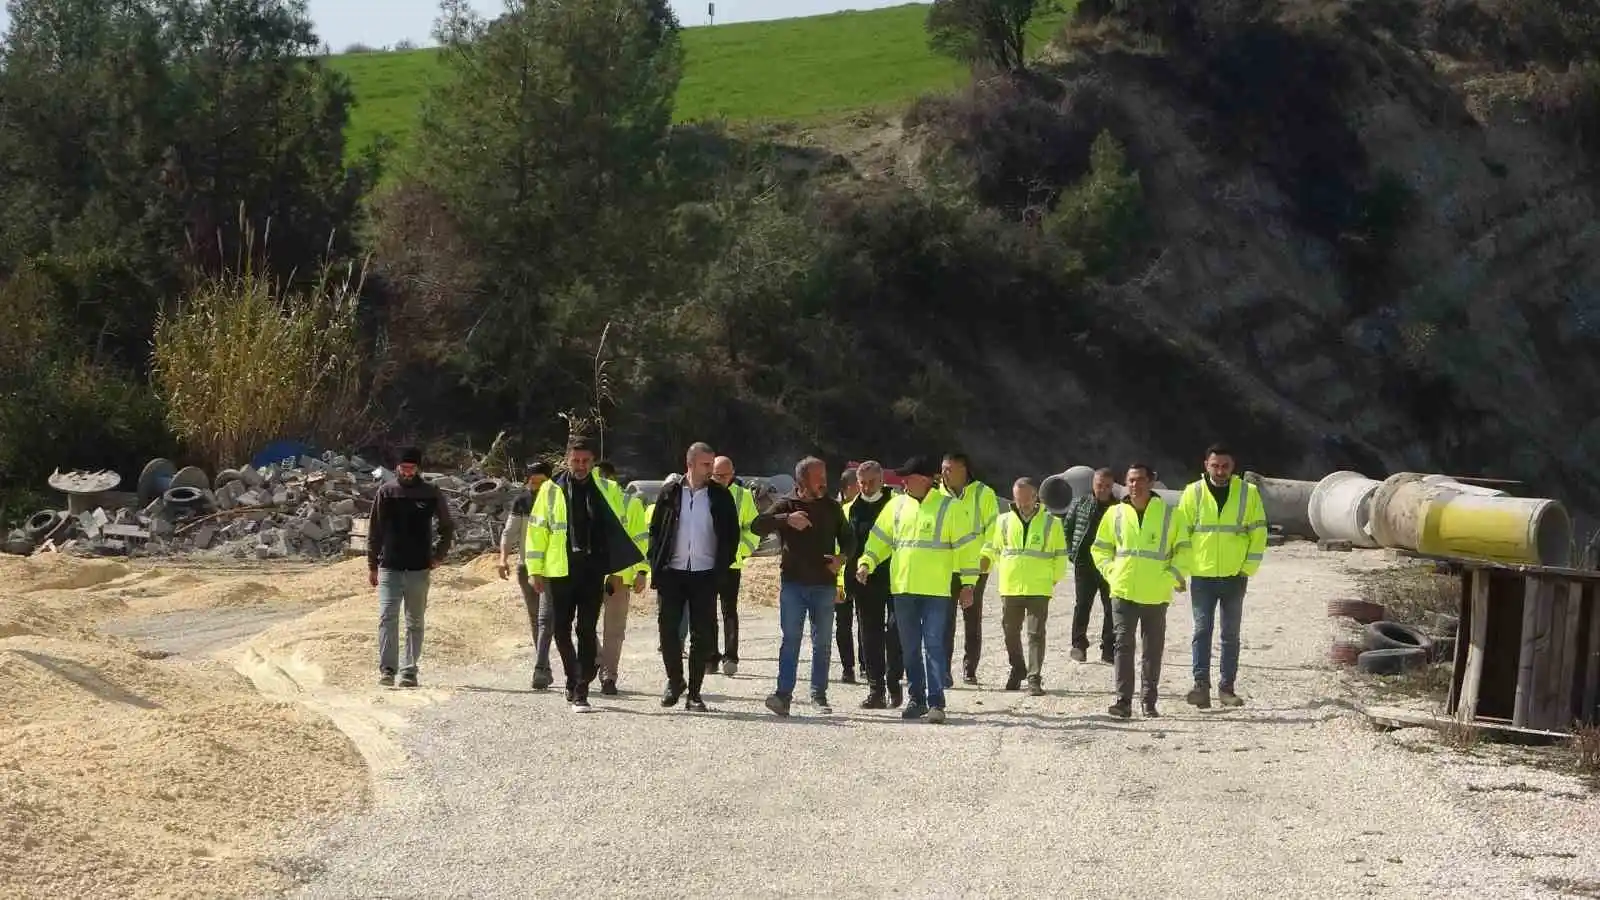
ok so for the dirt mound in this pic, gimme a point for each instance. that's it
(55, 572)
(122, 777)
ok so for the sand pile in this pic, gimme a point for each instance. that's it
(122, 777)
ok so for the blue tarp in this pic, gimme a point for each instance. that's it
(280, 450)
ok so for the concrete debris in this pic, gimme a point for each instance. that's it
(306, 508)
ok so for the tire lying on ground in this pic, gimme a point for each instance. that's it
(1394, 636)
(1363, 611)
(1391, 661)
(1345, 653)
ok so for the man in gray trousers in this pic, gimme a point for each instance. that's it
(538, 604)
(401, 556)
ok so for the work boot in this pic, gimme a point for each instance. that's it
(1078, 654)
(895, 695)
(1199, 696)
(875, 700)
(1228, 698)
(541, 679)
(1014, 681)
(1035, 688)
(608, 687)
(386, 679)
(1122, 709)
(779, 705)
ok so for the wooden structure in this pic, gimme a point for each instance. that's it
(1528, 646)
(358, 536)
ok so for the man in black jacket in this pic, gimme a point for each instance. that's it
(401, 555)
(880, 635)
(694, 538)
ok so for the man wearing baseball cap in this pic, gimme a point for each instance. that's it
(924, 540)
(401, 554)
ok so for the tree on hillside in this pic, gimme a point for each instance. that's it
(984, 32)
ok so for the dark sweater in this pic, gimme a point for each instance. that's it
(805, 553)
(400, 533)
(864, 515)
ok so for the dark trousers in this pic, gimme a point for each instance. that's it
(575, 602)
(880, 634)
(1087, 581)
(695, 592)
(728, 600)
(971, 623)
(1151, 620)
(844, 619)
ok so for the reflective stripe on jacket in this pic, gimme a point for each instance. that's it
(1227, 541)
(976, 508)
(1028, 559)
(1143, 561)
(924, 542)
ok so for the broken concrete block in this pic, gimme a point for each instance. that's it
(203, 537)
(250, 498)
(311, 530)
(343, 508)
(312, 464)
(1335, 546)
(339, 524)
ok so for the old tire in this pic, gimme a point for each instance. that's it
(1393, 661)
(225, 478)
(183, 497)
(1344, 653)
(41, 523)
(1395, 636)
(1365, 612)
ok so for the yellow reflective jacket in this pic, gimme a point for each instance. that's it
(544, 542)
(637, 520)
(1143, 560)
(1227, 541)
(1027, 558)
(925, 542)
(976, 508)
(745, 501)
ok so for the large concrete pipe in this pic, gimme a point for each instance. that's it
(1058, 491)
(1287, 502)
(1341, 508)
(1410, 513)
(647, 490)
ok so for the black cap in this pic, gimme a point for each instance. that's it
(538, 467)
(918, 465)
(411, 455)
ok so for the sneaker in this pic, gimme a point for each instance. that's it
(849, 677)
(407, 679)
(542, 679)
(609, 687)
(820, 701)
(669, 697)
(936, 715)
(730, 668)
(695, 704)
(1229, 698)
(1078, 654)
(778, 704)
(581, 705)
(875, 700)
(1013, 682)
(1199, 696)
(913, 710)
(1150, 711)
(896, 696)
(1035, 689)
(1121, 710)
(386, 679)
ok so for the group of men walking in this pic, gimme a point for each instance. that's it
(899, 563)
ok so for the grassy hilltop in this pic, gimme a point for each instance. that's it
(785, 70)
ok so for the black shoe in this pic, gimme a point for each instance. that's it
(1035, 688)
(849, 677)
(581, 705)
(541, 680)
(669, 697)
(572, 695)
(386, 679)
(609, 687)
(875, 700)
(969, 678)
(695, 704)
(779, 704)
(1150, 711)
(1109, 657)
(1121, 710)
(896, 696)
(407, 679)
(820, 701)
(1014, 682)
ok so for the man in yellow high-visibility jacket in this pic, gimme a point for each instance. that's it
(1143, 549)
(978, 507)
(924, 538)
(728, 583)
(1027, 552)
(1228, 524)
(614, 615)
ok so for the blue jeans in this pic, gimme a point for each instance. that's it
(397, 589)
(922, 620)
(796, 603)
(1207, 595)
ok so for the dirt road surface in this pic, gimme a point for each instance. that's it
(494, 791)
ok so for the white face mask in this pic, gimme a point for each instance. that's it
(872, 498)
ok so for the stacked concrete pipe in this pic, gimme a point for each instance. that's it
(1287, 502)
(1340, 508)
(1436, 517)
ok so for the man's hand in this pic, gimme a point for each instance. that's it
(838, 596)
(835, 563)
(504, 569)
(372, 577)
(983, 564)
(435, 563)
(965, 598)
(639, 583)
(862, 574)
(538, 583)
(613, 584)
(1182, 586)
(798, 520)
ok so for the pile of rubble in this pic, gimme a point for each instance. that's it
(307, 508)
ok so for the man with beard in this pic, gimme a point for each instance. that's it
(880, 635)
(1082, 522)
(401, 556)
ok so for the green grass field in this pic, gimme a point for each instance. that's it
(788, 70)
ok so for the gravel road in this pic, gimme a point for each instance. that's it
(508, 794)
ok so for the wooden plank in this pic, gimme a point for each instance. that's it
(1395, 717)
(1564, 686)
(1526, 640)
(1476, 623)
(1543, 650)
(1591, 690)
